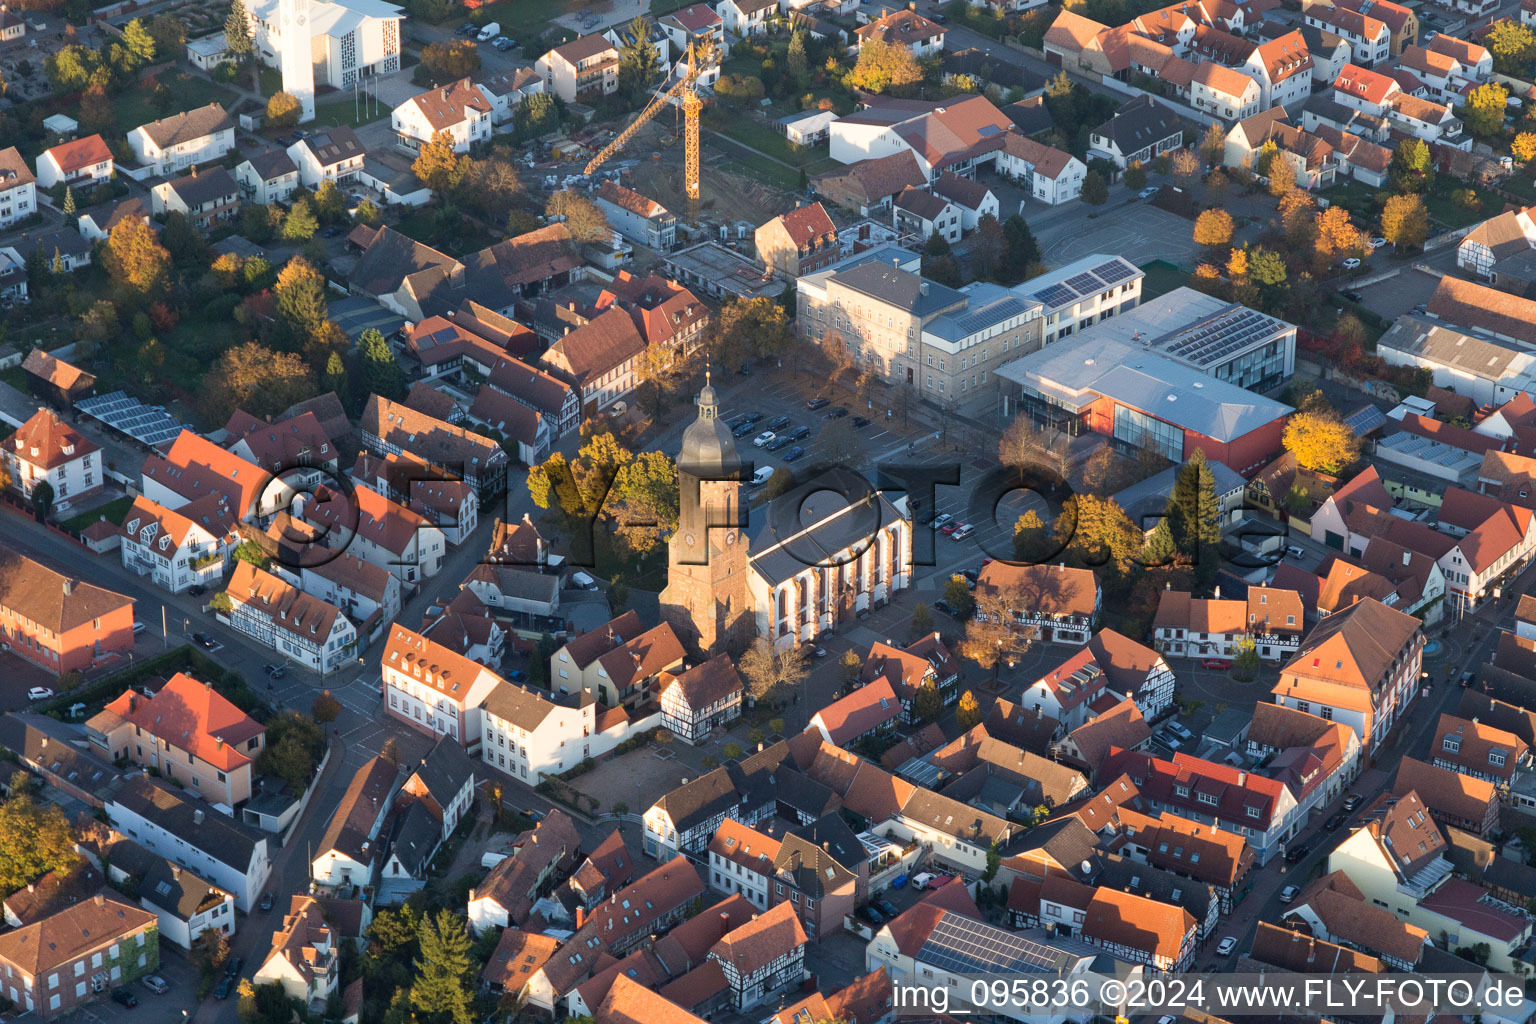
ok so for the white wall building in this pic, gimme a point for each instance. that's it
(173, 144)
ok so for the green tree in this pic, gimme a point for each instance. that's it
(69, 201)
(748, 329)
(34, 839)
(957, 593)
(994, 862)
(643, 503)
(335, 378)
(1194, 517)
(927, 703)
(1245, 663)
(922, 620)
(441, 992)
(850, 666)
(70, 68)
(1412, 168)
(250, 551)
(795, 59)
(535, 115)
(382, 374)
(237, 33)
(1031, 540)
(325, 708)
(1135, 177)
(42, 500)
(967, 712)
(1484, 113)
(1095, 189)
(294, 746)
(300, 225)
(139, 43)
(1160, 548)
(639, 60)
(300, 304)
(1266, 267)
(1020, 250)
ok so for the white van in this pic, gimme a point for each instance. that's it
(761, 476)
(583, 581)
(490, 31)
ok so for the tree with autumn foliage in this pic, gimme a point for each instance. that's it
(1405, 221)
(135, 259)
(256, 379)
(883, 67)
(1213, 228)
(967, 712)
(437, 166)
(1524, 147)
(1320, 441)
(1337, 237)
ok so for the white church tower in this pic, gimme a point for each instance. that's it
(295, 54)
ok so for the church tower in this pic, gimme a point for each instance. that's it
(295, 57)
(706, 597)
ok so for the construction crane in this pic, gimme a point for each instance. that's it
(699, 58)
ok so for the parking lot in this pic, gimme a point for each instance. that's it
(174, 1005)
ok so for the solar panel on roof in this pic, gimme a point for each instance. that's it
(1083, 283)
(1365, 420)
(149, 424)
(1114, 270)
(1057, 295)
(969, 947)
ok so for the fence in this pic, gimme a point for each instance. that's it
(330, 748)
(1445, 238)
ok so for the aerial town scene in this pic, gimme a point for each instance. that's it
(768, 511)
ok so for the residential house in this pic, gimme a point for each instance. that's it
(700, 26)
(64, 248)
(268, 177)
(700, 699)
(1432, 122)
(334, 154)
(381, 532)
(231, 855)
(1369, 38)
(444, 783)
(1317, 760)
(618, 664)
(957, 135)
(195, 467)
(460, 109)
(298, 625)
(1402, 22)
(869, 710)
(433, 689)
(97, 222)
(1062, 603)
(304, 960)
(741, 860)
(926, 662)
(666, 313)
(870, 186)
(537, 858)
(1272, 619)
(507, 91)
(12, 26)
(802, 241)
(763, 957)
(207, 200)
(905, 28)
(821, 870)
(1455, 799)
(1050, 175)
(581, 69)
(1140, 131)
(919, 214)
(598, 360)
(391, 428)
(1359, 667)
(95, 945)
(18, 188)
(351, 849)
(747, 18)
(1283, 68)
(1086, 746)
(973, 199)
(1479, 750)
(1224, 93)
(1398, 860)
(1334, 909)
(1362, 89)
(185, 904)
(46, 449)
(638, 218)
(82, 162)
(187, 733)
(59, 623)
(172, 144)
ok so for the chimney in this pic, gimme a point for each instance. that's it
(923, 287)
(725, 923)
(176, 872)
(581, 917)
(31, 887)
(1218, 593)
(197, 816)
(69, 586)
(100, 900)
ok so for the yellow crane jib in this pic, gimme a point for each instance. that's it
(686, 86)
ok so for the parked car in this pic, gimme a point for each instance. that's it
(744, 429)
(1378, 242)
(39, 693)
(820, 652)
(1352, 801)
(965, 531)
(782, 441)
(929, 516)
(942, 521)
(885, 907)
(860, 422)
(226, 986)
(1289, 893)
(946, 608)
(920, 881)
(794, 453)
(949, 528)
(1352, 264)
(1227, 945)
(762, 476)
(764, 439)
(138, 627)
(204, 641)
(837, 414)
(778, 423)
(1297, 853)
(1182, 733)
(197, 590)
(818, 403)
(1292, 551)
(155, 983)
(125, 997)
(1215, 663)
(799, 433)
(232, 967)
(1467, 679)
(745, 420)
(517, 675)
(1148, 192)
(584, 581)
(870, 915)
(1333, 822)
(1352, 295)
(267, 899)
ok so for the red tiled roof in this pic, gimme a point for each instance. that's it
(80, 154)
(47, 442)
(191, 716)
(866, 708)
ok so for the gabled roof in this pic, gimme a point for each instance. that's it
(71, 157)
(642, 657)
(14, 172)
(517, 958)
(629, 199)
(1353, 648)
(1298, 951)
(187, 127)
(1125, 919)
(449, 105)
(761, 941)
(603, 343)
(1450, 794)
(54, 601)
(352, 828)
(195, 467)
(46, 442)
(706, 683)
(92, 924)
(901, 28)
(867, 708)
(1121, 726)
(805, 224)
(290, 609)
(1471, 305)
(191, 716)
(1370, 86)
(1049, 589)
(55, 371)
